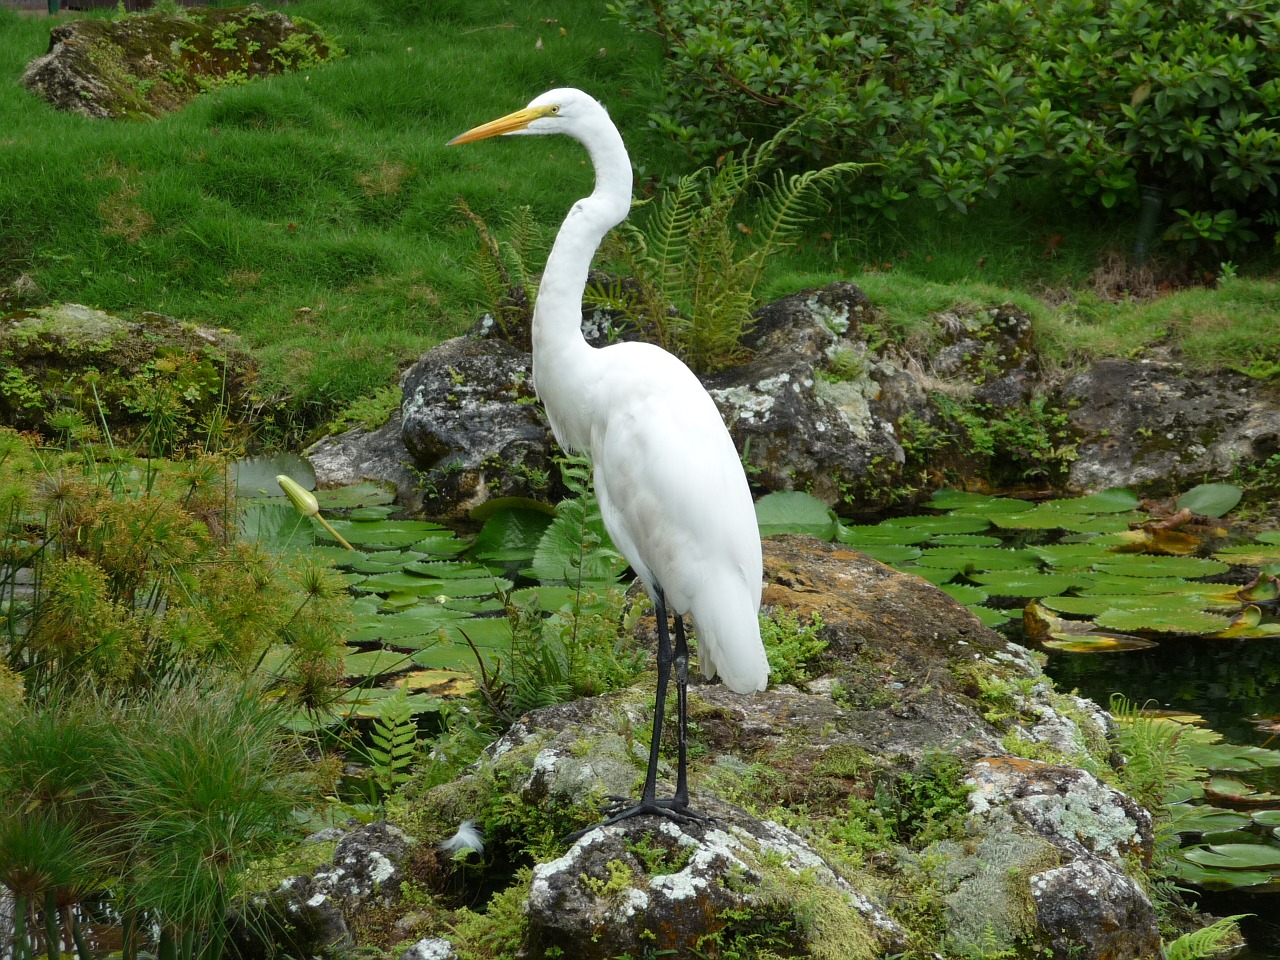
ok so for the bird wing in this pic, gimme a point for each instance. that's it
(675, 501)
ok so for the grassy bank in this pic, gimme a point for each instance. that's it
(311, 213)
(314, 213)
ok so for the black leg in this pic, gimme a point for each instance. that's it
(677, 807)
(681, 799)
(660, 702)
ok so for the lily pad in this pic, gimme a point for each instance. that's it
(1164, 619)
(991, 616)
(981, 504)
(977, 558)
(1253, 555)
(951, 523)
(889, 553)
(1211, 499)
(1019, 583)
(511, 535)
(1235, 856)
(374, 663)
(862, 535)
(1133, 565)
(1113, 500)
(964, 593)
(793, 511)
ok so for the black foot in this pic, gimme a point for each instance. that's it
(622, 808)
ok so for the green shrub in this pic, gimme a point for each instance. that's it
(951, 100)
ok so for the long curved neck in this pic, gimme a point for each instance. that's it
(559, 350)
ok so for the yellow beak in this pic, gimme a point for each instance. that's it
(508, 124)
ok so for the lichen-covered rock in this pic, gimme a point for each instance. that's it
(640, 886)
(1067, 806)
(473, 427)
(307, 915)
(83, 365)
(146, 66)
(898, 704)
(430, 948)
(1148, 425)
(816, 408)
(1090, 910)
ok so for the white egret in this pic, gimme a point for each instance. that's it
(671, 487)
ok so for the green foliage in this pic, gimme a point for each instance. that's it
(393, 746)
(1216, 938)
(697, 276)
(950, 101)
(152, 803)
(792, 647)
(1156, 752)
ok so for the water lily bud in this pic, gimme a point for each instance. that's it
(304, 501)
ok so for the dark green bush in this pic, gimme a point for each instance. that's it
(950, 100)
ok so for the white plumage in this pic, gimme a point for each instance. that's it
(671, 487)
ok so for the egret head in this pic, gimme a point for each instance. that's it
(556, 111)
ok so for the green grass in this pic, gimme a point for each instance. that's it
(313, 213)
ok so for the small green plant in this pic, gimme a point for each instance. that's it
(393, 746)
(792, 647)
(697, 273)
(1210, 941)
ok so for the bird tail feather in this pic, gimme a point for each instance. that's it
(729, 640)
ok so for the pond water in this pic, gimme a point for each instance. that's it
(1233, 685)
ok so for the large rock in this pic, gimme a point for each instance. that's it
(827, 403)
(473, 427)
(817, 408)
(903, 700)
(307, 915)
(69, 367)
(1147, 424)
(146, 66)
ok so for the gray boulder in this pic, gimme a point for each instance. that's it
(905, 672)
(1147, 424)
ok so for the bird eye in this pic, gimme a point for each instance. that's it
(555, 108)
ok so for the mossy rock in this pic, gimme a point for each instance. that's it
(67, 370)
(146, 66)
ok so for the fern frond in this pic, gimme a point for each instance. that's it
(1207, 941)
(789, 204)
(394, 745)
(667, 234)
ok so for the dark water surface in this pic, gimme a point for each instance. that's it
(1232, 684)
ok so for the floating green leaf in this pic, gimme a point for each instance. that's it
(935, 575)
(793, 511)
(1070, 554)
(1141, 565)
(1017, 583)
(978, 504)
(1162, 619)
(1114, 500)
(511, 535)
(991, 616)
(357, 495)
(859, 536)
(1235, 856)
(890, 553)
(373, 663)
(1211, 499)
(964, 593)
(964, 540)
(977, 558)
(950, 523)
(1090, 606)
(1253, 555)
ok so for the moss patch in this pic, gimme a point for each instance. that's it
(146, 66)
